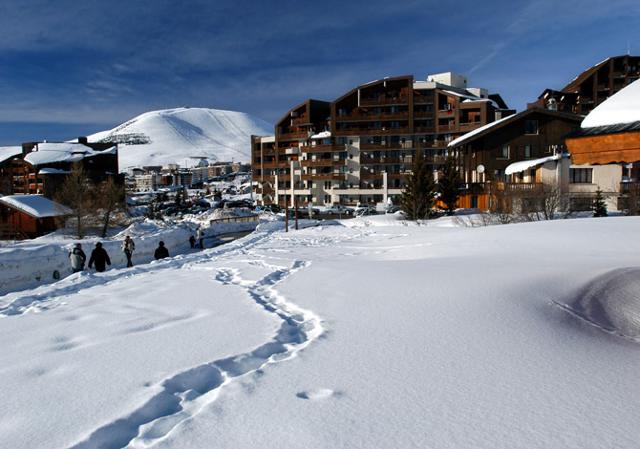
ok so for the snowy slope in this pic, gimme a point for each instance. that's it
(174, 135)
(379, 335)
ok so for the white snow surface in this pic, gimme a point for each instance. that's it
(9, 152)
(172, 136)
(49, 153)
(519, 166)
(36, 205)
(622, 107)
(382, 334)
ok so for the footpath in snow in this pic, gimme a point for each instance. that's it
(373, 333)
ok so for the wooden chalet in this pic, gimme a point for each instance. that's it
(29, 216)
(519, 153)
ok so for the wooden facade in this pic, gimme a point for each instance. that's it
(607, 148)
(593, 86)
(16, 224)
(529, 135)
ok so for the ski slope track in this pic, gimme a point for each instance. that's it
(185, 394)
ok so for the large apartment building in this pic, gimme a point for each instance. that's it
(360, 147)
(592, 86)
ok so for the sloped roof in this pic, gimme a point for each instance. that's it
(519, 166)
(36, 205)
(9, 152)
(621, 108)
(49, 153)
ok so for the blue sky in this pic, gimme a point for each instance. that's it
(71, 67)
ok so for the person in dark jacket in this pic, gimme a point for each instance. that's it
(128, 247)
(161, 251)
(99, 257)
(77, 258)
(192, 241)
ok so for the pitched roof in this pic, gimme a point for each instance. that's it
(486, 129)
(49, 153)
(36, 205)
(9, 152)
(621, 108)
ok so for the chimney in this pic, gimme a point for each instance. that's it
(83, 140)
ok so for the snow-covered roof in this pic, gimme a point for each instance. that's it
(622, 107)
(463, 138)
(49, 153)
(322, 135)
(458, 94)
(519, 166)
(9, 152)
(53, 171)
(36, 205)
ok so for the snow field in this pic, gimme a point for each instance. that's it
(381, 334)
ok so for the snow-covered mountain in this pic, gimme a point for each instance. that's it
(175, 135)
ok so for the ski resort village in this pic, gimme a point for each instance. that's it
(276, 226)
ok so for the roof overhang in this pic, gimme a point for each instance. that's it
(620, 147)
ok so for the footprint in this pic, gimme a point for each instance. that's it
(317, 394)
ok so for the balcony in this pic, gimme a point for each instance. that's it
(293, 135)
(383, 99)
(372, 131)
(367, 175)
(469, 126)
(424, 129)
(324, 148)
(370, 117)
(323, 163)
(385, 160)
(302, 120)
(381, 146)
(419, 99)
(275, 164)
(323, 177)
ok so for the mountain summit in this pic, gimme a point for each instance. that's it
(175, 135)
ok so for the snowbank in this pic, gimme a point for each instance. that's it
(40, 261)
(611, 302)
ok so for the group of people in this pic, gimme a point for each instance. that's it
(100, 258)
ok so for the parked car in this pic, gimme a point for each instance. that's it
(365, 209)
(339, 209)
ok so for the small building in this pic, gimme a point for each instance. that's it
(29, 216)
(519, 154)
(608, 142)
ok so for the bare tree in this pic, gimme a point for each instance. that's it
(76, 193)
(110, 199)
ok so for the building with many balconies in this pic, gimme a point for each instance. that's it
(360, 147)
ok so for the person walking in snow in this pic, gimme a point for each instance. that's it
(200, 237)
(77, 258)
(128, 247)
(192, 241)
(99, 257)
(161, 251)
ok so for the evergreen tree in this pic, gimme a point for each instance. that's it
(449, 184)
(418, 195)
(599, 206)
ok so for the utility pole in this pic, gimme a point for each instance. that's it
(295, 204)
(286, 214)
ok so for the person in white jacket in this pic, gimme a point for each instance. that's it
(77, 258)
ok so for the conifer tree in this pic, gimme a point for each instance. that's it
(599, 206)
(449, 184)
(418, 196)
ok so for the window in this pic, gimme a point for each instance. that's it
(504, 152)
(531, 127)
(580, 175)
(527, 151)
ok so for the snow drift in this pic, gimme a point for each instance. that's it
(170, 136)
(611, 302)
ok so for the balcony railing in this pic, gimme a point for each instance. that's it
(324, 148)
(371, 131)
(418, 99)
(293, 135)
(385, 160)
(302, 120)
(383, 99)
(381, 146)
(365, 117)
(323, 176)
(323, 163)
